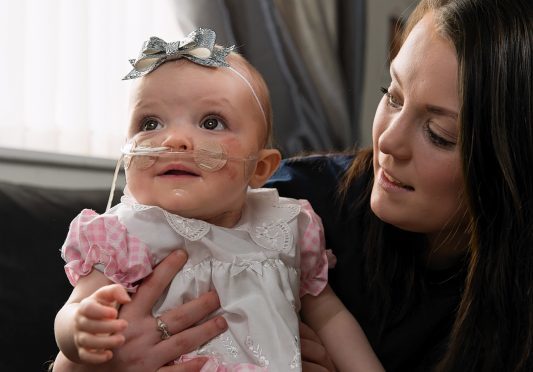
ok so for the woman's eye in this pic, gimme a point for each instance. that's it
(150, 124)
(391, 100)
(437, 139)
(213, 123)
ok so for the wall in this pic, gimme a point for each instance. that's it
(53, 170)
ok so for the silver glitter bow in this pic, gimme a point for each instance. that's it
(198, 47)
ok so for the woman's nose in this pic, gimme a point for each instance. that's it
(178, 139)
(396, 139)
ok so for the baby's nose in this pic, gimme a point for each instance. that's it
(179, 140)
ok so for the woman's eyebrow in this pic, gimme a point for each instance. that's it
(394, 74)
(438, 110)
(441, 111)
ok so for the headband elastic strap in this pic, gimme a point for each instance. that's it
(252, 90)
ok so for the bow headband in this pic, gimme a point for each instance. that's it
(198, 47)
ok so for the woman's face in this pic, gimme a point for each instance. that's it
(418, 182)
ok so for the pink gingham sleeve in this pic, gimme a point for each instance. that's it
(102, 239)
(314, 258)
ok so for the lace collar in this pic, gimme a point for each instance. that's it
(264, 218)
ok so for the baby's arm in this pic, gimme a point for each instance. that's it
(342, 336)
(86, 327)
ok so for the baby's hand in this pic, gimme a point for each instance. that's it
(96, 327)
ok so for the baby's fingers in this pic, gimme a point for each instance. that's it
(111, 295)
(91, 309)
(95, 356)
(84, 324)
(97, 344)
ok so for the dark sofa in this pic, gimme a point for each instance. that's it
(33, 224)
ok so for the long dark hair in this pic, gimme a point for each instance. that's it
(493, 329)
(393, 277)
(494, 43)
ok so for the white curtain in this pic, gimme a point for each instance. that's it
(61, 65)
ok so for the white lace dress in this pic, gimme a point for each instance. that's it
(260, 268)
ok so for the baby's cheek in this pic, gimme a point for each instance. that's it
(232, 172)
(136, 186)
(237, 167)
(233, 147)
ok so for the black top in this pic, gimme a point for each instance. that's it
(413, 343)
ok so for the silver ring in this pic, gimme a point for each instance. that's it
(163, 328)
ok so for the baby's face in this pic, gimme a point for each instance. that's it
(183, 106)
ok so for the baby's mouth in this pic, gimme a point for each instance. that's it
(178, 170)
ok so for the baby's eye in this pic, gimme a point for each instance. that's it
(213, 123)
(150, 124)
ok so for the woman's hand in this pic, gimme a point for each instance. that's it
(144, 350)
(315, 358)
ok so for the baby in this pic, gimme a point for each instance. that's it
(198, 151)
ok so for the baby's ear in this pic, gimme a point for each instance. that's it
(267, 162)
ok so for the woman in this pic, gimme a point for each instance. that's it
(432, 228)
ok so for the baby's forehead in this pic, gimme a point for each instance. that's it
(172, 77)
(244, 67)
(182, 70)
(184, 81)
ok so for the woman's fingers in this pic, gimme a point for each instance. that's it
(155, 284)
(190, 339)
(307, 333)
(190, 313)
(311, 367)
(144, 348)
(315, 358)
(314, 355)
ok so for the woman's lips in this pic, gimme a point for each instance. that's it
(389, 182)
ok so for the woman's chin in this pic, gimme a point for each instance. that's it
(392, 216)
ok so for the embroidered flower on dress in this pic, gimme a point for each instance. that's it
(189, 228)
(269, 227)
(257, 352)
(296, 362)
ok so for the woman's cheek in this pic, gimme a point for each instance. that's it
(378, 125)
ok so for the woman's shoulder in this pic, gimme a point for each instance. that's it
(311, 165)
(297, 176)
